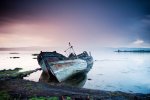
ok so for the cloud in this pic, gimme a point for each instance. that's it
(138, 42)
(146, 20)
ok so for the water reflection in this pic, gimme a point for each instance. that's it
(75, 81)
(127, 72)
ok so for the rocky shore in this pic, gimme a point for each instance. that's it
(14, 87)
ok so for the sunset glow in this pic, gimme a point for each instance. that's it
(91, 24)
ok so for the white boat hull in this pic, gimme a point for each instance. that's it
(64, 69)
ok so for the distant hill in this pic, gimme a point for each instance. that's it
(16, 49)
(35, 48)
(133, 50)
(22, 48)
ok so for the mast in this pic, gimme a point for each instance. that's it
(71, 49)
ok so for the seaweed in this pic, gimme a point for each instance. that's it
(14, 73)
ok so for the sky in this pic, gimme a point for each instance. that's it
(84, 23)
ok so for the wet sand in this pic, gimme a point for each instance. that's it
(13, 86)
(24, 89)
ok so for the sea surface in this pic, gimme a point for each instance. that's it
(112, 71)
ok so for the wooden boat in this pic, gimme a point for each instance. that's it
(61, 67)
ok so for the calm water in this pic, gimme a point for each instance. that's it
(128, 72)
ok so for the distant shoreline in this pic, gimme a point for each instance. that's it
(138, 51)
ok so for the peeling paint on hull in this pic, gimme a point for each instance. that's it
(64, 68)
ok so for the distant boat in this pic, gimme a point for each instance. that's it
(61, 67)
